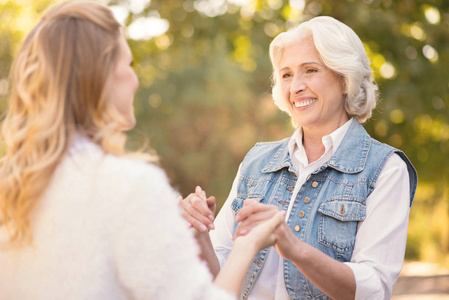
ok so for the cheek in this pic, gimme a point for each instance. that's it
(285, 88)
(135, 81)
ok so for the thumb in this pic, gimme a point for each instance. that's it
(210, 200)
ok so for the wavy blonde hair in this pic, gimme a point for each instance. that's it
(59, 80)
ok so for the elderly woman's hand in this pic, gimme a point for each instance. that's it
(252, 214)
(198, 210)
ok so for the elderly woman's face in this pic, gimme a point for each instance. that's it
(314, 93)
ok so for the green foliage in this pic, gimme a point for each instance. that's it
(204, 99)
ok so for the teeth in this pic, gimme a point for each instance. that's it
(304, 103)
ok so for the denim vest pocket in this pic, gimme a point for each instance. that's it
(237, 203)
(338, 224)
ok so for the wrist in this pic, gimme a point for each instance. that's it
(295, 250)
(241, 245)
(201, 237)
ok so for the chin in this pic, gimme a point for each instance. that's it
(130, 124)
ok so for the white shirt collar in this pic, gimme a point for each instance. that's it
(331, 142)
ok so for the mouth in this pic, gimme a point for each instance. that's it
(305, 103)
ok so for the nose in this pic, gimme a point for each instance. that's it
(298, 84)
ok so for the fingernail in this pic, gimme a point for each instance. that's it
(211, 217)
(211, 226)
(203, 228)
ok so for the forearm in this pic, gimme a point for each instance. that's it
(332, 277)
(207, 252)
(233, 273)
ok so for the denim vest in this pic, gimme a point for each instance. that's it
(328, 206)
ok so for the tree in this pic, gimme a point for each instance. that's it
(205, 97)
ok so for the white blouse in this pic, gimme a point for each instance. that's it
(107, 228)
(380, 242)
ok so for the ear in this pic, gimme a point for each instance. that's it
(343, 84)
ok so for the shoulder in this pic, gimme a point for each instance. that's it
(267, 149)
(131, 169)
(379, 146)
(394, 161)
(390, 155)
(136, 178)
(112, 175)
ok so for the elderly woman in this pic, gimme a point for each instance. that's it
(347, 196)
(79, 217)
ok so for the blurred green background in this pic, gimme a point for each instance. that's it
(204, 97)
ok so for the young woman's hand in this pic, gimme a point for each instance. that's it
(252, 214)
(198, 210)
(263, 234)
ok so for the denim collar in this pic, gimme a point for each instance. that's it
(350, 156)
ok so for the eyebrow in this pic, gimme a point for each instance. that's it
(303, 64)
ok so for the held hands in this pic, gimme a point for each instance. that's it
(198, 210)
(263, 234)
(252, 214)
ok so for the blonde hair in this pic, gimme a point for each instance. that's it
(59, 80)
(342, 51)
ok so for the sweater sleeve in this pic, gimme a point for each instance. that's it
(156, 256)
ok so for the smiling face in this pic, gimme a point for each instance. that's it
(123, 86)
(314, 93)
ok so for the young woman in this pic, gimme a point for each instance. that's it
(79, 217)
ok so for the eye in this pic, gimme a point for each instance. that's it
(311, 70)
(286, 75)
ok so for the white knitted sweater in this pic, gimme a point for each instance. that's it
(107, 228)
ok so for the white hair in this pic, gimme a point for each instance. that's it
(342, 51)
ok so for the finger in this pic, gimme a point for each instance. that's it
(199, 192)
(202, 192)
(252, 221)
(249, 207)
(195, 214)
(211, 201)
(253, 208)
(179, 199)
(194, 222)
(248, 202)
(201, 206)
(259, 216)
(197, 204)
(244, 230)
(263, 234)
(268, 227)
(212, 205)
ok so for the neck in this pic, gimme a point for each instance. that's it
(312, 138)
(313, 145)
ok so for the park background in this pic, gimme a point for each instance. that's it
(204, 98)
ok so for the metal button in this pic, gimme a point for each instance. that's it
(297, 228)
(314, 184)
(306, 199)
(301, 214)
